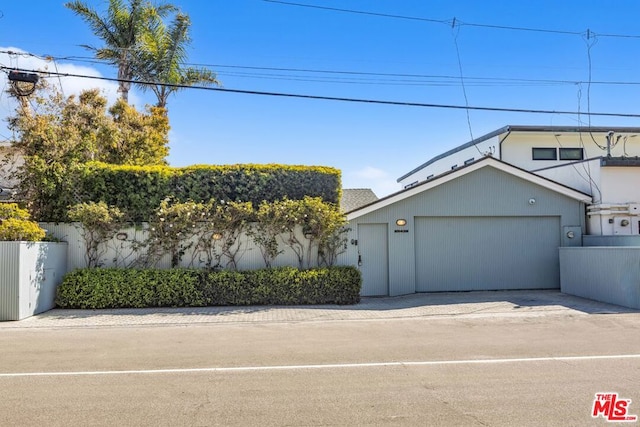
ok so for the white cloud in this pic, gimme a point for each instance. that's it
(370, 172)
(69, 85)
(380, 181)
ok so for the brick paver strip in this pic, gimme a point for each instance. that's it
(456, 304)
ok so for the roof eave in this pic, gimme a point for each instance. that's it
(463, 170)
(521, 128)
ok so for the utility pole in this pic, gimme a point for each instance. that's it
(23, 84)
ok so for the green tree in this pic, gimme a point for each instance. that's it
(137, 139)
(162, 53)
(62, 133)
(120, 30)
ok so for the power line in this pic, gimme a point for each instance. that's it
(360, 12)
(328, 98)
(464, 89)
(455, 21)
(379, 82)
(358, 73)
(469, 79)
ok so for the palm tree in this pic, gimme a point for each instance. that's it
(120, 30)
(162, 53)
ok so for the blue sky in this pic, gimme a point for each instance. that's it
(386, 58)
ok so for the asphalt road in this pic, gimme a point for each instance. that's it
(421, 371)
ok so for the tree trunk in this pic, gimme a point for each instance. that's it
(124, 77)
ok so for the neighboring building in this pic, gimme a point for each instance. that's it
(10, 160)
(353, 198)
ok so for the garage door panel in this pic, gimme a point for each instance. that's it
(481, 253)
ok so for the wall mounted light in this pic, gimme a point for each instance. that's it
(216, 236)
(401, 222)
(624, 222)
(571, 234)
(122, 236)
(532, 201)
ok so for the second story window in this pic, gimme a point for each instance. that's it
(571, 154)
(545, 153)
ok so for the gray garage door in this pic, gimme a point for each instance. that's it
(487, 253)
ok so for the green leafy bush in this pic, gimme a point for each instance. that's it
(116, 288)
(129, 288)
(12, 210)
(16, 226)
(138, 190)
(99, 225)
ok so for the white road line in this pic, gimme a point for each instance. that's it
(328, 366)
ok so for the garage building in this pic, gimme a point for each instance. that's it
(485, 226)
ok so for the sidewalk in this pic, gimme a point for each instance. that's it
(437, 305)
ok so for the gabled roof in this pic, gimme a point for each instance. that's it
(520, 128)
(464, 170)
(353, 198)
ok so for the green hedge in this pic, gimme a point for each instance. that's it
(138, 190)
(122, 288)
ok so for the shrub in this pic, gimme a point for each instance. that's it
(219, 233)
(116, 288)
(138, 190)
(226, 288)
(16, 226)
(265, 231)
(170, 230)
(321, 223)
(12, 210)
(99, 225)
(129, 288)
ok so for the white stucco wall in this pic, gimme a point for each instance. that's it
(581, 176)
(620, 184)
(516, 148)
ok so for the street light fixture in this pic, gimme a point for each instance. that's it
(23, 83)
